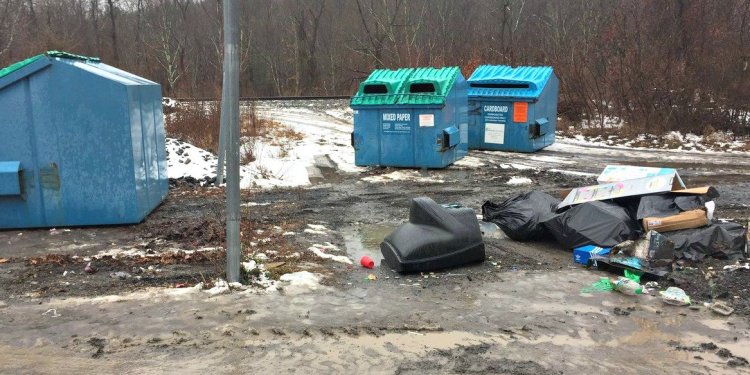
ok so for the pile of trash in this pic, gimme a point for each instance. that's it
(638, 219)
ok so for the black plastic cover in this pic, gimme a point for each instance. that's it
(664, 205)
(520, 217)
(593, 223)
(435, 237)
(721, 240)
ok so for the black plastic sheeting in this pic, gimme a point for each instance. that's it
(667, 205)
(593, 223)
(435, 237)
(520, 217)
(721, 240)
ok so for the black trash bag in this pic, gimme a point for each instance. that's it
(435, 237)
(690, 202)
(721, 240)
(596, 223)
(664, 205)
(657, 206)
(520, 217)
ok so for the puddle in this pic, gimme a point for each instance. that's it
(366, 241)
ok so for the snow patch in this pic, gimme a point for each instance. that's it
(321, 251)
(138, 253)
(220, 287)
(469, 162)
(253, 204)
(573, 173)
(516, 180)
(402, 175)
(300, 282)
(279, 162)
(315, 229)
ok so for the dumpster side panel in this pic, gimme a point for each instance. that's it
(366, 136)
(16, 144)
(397, 137)
(429, 123)
(139, 142)
(552, 97)
(161, 184)
(47, 143)
(476, 124)
(148, 141)
(460, 102)
(95, 156)
(496, 124)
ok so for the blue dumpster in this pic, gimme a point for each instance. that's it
(512, 109)
(413, 118)
(81, 143)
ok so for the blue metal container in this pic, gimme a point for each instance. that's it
(512, 109)
(81, 143)
(414, 118)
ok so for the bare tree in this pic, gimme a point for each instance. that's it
(113, 33)
(10, 13)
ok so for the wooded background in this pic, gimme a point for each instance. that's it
(657, 65)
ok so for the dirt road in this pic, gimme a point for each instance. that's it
(520, 312)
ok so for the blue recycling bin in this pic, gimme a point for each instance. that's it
(81, 143)
(415, 118)
(512, 109)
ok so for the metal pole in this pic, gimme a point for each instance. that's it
(222, 147)
(231, 121)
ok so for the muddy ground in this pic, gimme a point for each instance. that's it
(522, 311)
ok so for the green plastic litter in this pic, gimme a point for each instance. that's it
(633, 275)
(60, 54)
(603, 285)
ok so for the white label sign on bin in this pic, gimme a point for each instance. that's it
(427, 120)
(494, 133)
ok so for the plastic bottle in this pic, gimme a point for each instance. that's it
(627, 286)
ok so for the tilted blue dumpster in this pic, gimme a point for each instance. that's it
(81, 143)
(411, 118)
(512, 109)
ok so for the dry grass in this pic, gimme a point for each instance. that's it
(198, 124)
